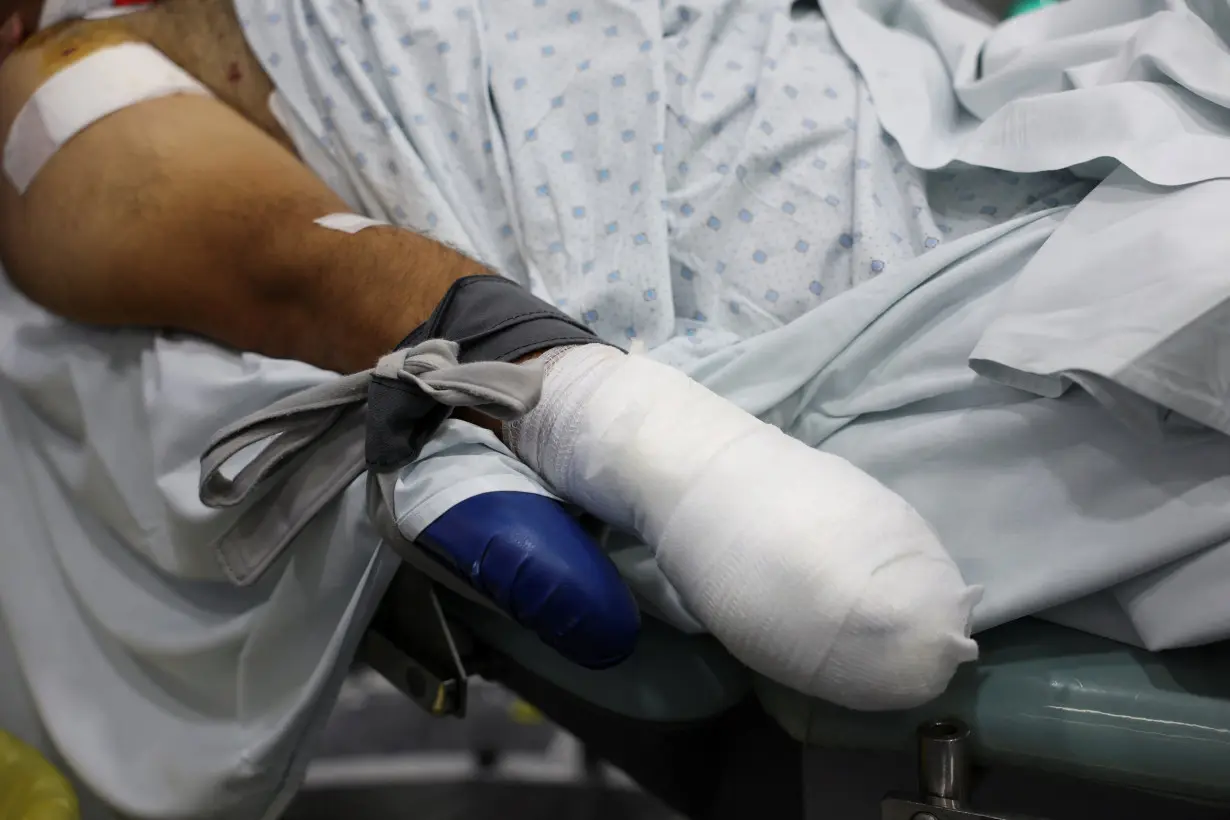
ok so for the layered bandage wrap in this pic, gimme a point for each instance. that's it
(84, 92)
(808, 570)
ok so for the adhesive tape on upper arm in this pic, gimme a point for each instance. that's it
(71, 100)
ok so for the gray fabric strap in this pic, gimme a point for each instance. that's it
(498, 389)
(315, 450)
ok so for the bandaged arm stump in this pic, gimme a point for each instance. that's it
(810, 571)
(805, 567)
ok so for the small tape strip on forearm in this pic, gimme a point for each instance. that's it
(348, 223)
(73, 99)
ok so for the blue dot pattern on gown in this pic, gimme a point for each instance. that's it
(607, 135)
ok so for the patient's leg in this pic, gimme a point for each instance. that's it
(178, 212)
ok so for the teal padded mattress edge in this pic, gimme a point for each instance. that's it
(1041, 696)
(1053, 698)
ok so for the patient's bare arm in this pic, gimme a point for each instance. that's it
(180, 213)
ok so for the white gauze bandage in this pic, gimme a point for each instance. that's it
(93, 87)
(809, 570)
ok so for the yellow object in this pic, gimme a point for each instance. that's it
(30, 787)
(520, 711)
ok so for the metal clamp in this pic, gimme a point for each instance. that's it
(412, 645)
(944, 778)
(944, 762)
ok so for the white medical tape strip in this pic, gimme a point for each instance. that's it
(71, 100)
(114, 11)
(348, 223)
(56, 11)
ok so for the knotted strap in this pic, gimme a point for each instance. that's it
(319, 440)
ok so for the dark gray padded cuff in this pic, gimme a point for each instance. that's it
(496, 320)
(491, 319)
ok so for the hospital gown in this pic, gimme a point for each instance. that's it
(823, 219)
(657, 171)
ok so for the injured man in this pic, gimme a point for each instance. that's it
(472, 277)
(182, 206)
(149, 193)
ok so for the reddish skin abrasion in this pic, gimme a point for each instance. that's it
(233, 74)
(12, 32)
(66, 52)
